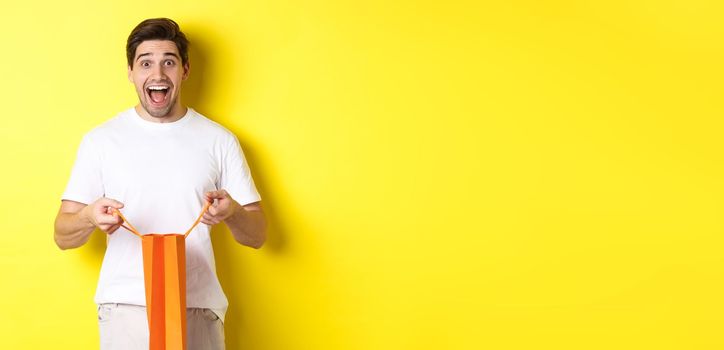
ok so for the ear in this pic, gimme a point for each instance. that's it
(129, 74)
(187, 70)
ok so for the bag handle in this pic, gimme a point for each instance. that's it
(203, 211)
(135, 232)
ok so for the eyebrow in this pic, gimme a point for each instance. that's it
(164, 54)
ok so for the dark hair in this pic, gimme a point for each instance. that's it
(157, 29)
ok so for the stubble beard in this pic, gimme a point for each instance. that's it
(158, 113)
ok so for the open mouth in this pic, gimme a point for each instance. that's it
(158, 93)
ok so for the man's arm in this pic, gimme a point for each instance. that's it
(246, 223)
(76, 221)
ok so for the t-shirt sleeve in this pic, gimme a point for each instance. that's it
(235, 174)
(85, 184)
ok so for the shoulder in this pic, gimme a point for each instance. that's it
(212, 129)
(111, 126)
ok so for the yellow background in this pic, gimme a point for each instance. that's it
(438, 175)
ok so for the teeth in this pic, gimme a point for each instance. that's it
(157, 88)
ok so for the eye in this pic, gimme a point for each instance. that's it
(145, 64)
(169, 63)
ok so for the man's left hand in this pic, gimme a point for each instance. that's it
(222, 207)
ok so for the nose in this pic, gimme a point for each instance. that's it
(157, 72)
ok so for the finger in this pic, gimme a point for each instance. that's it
(219, 194)
(112, 219)
(109, 202)
(104, 226)
(210, 222)
(110, 211)
(102, 209)
(212, 210)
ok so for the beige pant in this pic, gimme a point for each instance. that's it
(125, 327)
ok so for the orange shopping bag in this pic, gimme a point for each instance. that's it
(164, 274)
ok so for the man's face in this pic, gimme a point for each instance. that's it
(157, 73)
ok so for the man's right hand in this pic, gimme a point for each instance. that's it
(101, 214)
(76, 221)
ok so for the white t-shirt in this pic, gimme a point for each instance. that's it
(160, 172)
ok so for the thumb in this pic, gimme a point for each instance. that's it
(211, 195)
(116, 218)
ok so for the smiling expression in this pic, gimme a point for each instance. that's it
(157, 73)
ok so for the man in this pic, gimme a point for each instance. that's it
(158, 163)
